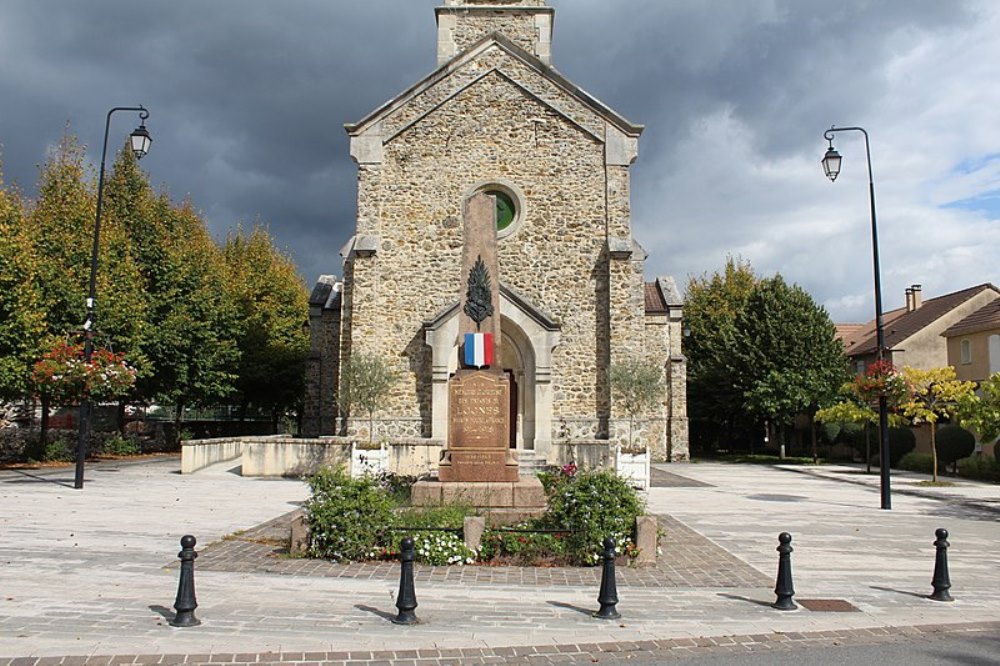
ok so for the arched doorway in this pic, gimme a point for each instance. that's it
(519, 364)
(527, 340)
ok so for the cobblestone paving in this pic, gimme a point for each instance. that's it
(605, 652)
(688, 560)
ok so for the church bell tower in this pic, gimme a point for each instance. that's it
(461, 23)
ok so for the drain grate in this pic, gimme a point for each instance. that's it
(828, 605)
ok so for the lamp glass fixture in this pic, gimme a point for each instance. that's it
(831, 163)
(140, 141)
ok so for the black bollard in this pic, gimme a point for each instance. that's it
(608, 595)
(406, 601)
(783, 586)
(941, 580)
(186, 602)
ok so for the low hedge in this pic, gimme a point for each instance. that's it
(979, 468)
(917, 462)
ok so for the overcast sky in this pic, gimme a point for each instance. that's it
(248, 100)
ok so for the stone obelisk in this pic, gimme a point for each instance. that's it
(479, 393)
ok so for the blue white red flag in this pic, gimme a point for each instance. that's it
(478, 349)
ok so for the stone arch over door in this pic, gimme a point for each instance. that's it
(518, 357)
(528, 338)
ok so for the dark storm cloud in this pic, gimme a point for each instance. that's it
(248, 99)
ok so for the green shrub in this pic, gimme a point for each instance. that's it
(116, 445)
(901, 442)
(595, 505)
(982, 469)
(348, 518)
(522, 548)
(57, 450)
(853, 435)
(451, 516)
(917, 462)
(397, 485)
(954, 443)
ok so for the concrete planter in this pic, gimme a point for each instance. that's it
(368, 461)
(633, 467)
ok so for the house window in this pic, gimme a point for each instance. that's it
(860, 367)
(966, 347)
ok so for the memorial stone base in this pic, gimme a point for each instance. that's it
(501, 502)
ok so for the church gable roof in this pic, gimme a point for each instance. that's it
(493, 53)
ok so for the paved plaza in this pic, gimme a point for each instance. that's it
(90, 576)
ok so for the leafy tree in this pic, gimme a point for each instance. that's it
(196, 343)
(272, 303)
(637, 387)
(786, 359)
(126, 216)
(982, 412)
(934, 394)
(189, 343)
(22, 321)
(859, 398)
(60, 230)
(954, 443)
(365, 380)
(60, 227)
(712, 304)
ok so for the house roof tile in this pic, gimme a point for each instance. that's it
(898, 324)
(655, 304)
(983, 319)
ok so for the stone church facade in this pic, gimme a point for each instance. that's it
(496, 117)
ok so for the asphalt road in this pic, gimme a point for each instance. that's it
(963, 651)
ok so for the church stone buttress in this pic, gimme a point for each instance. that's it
(495, 117)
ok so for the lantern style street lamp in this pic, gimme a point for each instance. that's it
(831, 167)
(139, 142)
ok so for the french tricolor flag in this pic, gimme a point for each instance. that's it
(478, 349)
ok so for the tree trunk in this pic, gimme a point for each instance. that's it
(868, 448)
(178, 418)
(934, 449)
(43, 436)
(812, 433)
(120, 417)
(371, 428)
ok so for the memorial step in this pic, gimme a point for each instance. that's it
(530, 463)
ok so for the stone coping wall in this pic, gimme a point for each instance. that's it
(283, 455)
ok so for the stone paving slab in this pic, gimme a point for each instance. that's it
(687, 559)
(661, 478)
(83, 573)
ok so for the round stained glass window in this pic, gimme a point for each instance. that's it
(505, 208)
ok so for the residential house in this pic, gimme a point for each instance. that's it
(919, 334)
(913, 333)
(974, 347)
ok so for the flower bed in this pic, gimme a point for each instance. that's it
(363, 519)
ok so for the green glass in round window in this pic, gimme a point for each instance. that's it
(505, 209)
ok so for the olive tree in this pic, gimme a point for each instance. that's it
(365, 381)
(637, 388)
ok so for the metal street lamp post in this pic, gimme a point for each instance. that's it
(831, 166)
(139, 141)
